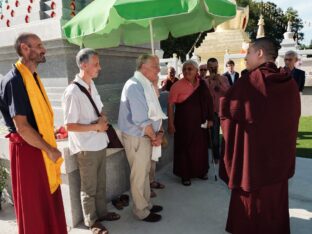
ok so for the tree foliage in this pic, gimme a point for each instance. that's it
(3, 177)
(182, 45)
(274, 18)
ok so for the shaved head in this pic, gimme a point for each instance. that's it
(268, 47)
(262, 50)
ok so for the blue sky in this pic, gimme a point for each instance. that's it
(304, 8)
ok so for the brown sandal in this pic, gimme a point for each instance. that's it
(118, 203)
(153, 194)
(157, 185)
(124, 198)
(98, 228)
(110, 216)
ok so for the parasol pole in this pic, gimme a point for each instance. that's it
(152, 36)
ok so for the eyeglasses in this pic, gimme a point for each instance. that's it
(288, 59)
(203, 69)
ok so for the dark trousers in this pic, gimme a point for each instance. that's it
(215, 134)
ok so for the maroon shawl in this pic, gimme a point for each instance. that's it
(259, 119)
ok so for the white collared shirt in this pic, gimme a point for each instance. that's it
(232, 76)
(78, 109)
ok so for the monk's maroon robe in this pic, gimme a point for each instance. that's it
(37, 210)
(259, 120)
(190, 140)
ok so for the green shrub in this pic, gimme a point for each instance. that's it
(3, 177)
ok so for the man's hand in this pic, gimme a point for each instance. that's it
(104, 117)
(102, 124)
(54, 154)
(32, 137)
(149, 131)
(158, 140)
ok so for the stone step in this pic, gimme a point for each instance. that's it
(226, 40)
(55, 82)
(55, 96)
(59, 90)
(56, 102)
(58, 116)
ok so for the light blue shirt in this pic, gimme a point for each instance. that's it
(133, 117)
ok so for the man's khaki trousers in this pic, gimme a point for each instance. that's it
(139, 151)
(92, 169)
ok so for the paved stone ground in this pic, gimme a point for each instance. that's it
(198, 209)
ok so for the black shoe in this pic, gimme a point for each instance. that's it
(152, 217)
(156, 209)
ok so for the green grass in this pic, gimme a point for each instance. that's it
(304, 140)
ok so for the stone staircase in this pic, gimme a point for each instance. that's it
(230, 40)
(55, 88)
(217, 44)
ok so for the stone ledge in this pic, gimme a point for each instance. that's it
(117, 175)
(70, 162)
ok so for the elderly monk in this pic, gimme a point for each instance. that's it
(193, 114)
(35, 159)
(259, 119)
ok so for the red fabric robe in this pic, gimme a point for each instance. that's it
(37, 210)
(259, 119)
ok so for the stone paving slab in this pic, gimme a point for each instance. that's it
(198, 209)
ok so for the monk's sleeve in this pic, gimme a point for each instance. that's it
(233, 106)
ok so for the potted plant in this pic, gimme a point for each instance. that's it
(3, 180)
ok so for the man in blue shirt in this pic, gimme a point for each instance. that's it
(141, 128)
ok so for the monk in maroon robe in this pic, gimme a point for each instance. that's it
(193, 107)
(259, 120)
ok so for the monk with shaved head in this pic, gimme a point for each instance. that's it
(259, 118)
